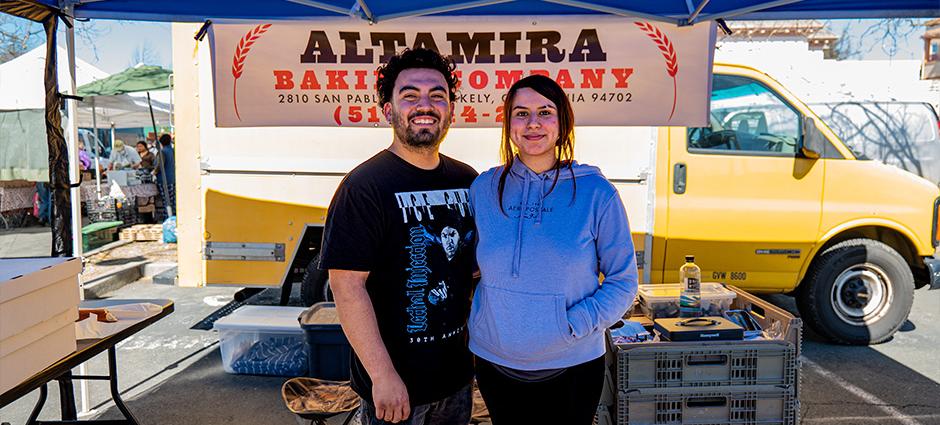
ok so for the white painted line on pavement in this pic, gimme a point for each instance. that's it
(150, 342)
(217, 300)
(862, 394)
(860, 419)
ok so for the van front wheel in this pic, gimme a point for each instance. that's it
(315, 286)
(857, 292)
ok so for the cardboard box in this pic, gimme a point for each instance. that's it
(38, 307)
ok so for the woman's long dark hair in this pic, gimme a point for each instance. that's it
(564, 146)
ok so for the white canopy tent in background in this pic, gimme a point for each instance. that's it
(22, 86)
(23, 147)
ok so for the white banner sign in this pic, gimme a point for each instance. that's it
(616, 71)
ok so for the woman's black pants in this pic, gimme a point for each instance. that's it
(570, 398)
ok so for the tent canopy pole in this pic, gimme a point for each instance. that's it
(166, 200)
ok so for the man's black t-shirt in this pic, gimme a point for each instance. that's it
(413, 231)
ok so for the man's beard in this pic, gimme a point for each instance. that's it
(423, 138)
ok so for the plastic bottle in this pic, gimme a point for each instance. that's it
(690, 277)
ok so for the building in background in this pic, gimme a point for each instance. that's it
(812, 33)
(797, 53)
(931, 66)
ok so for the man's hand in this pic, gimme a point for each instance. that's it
(390, 398)
(356, 314)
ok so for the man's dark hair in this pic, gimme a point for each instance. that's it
(165, 139)
(414, 58)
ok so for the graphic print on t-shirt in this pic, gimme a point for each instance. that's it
(418, 205)
(440, 227)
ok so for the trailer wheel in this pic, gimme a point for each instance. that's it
(857, 292)
(315, 286)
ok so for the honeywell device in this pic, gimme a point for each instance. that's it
(698, 329)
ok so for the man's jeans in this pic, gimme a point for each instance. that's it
(453, 410)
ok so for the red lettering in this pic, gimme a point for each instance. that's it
(337, 80)
(469, 114)
(478, 79)
(621, 74)
(564, 79)
(361, 79)
(505, 79)
(539, 72)
(592, 78)
(283, 79)
(310, 81)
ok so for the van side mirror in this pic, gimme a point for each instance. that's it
(813, 143)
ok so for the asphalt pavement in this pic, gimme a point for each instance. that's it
(172, 374)
(897, 382)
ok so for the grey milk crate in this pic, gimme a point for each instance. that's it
(771, 361)
(662, 365)
(730, 405)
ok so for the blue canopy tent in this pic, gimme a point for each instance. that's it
(678, 12)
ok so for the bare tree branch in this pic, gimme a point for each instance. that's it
(886, 34)
(144, 54)
(18, 36)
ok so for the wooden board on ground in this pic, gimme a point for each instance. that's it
(142, 232)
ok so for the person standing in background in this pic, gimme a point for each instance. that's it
(147, 159)
(166, 166)
(122, 156)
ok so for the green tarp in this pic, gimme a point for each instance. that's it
(24, 153)
(132, 80)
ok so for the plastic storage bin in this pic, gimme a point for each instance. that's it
(263, 340)
(676, 365)
(327, 344)
(662, 300)
(731, 405)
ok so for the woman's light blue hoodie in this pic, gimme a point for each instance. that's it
(539, 304)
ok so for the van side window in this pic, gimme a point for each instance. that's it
(746, 117)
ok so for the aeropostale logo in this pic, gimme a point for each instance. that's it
(616, 71)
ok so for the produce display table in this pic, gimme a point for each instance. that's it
(61, 371)
(142, 190)
(16, 202)
(17, 198)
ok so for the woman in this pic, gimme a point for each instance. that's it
(146, 157)
(548, 227)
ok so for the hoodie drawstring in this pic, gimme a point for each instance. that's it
(538, 217)
(517, 250)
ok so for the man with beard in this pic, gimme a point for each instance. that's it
(411, 363)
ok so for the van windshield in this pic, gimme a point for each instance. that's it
(902, 134)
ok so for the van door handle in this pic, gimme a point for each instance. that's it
(678, 180)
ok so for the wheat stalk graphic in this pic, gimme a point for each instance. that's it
(238, 61)
(669, 53)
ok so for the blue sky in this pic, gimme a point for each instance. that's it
(114, 48)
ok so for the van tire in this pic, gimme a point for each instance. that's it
(857, 292)
(315, 286)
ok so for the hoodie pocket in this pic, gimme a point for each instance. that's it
(520, 325)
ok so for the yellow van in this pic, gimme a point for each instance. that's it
(767, 198)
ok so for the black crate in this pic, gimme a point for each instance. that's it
(327, 344)
(110, 209)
